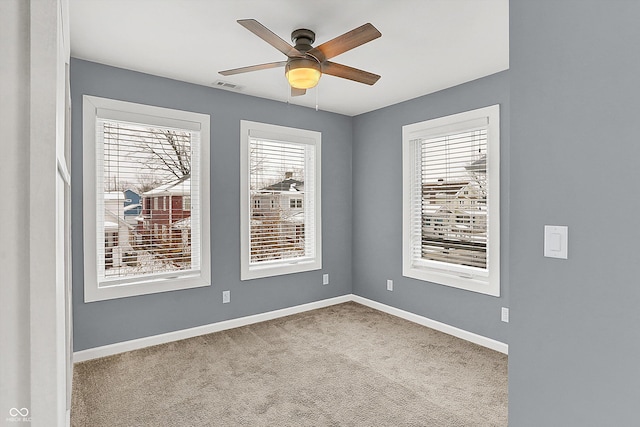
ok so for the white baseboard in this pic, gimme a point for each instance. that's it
(121, 347)
(434, 324)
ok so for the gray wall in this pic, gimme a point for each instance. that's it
(106, 322)
(574, 350)
(373, 226)
(377, 210)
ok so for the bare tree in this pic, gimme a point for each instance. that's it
(170, 153)
(146, 182)
(113, 184)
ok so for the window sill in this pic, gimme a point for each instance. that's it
(488, 286)
(258, 271)
(106, 291)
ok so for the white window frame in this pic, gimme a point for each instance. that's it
(487, 282)
(250, 130)
(95, 107)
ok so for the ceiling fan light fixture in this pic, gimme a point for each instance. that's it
(303, 73)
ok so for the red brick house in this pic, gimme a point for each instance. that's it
(166, 210)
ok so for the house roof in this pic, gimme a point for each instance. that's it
(479, 165)
(443, 187)
(431, 209)
(110, 225)
(114, 195)
(117, 220)
(288, 184)
(178, 187)
(132, 207)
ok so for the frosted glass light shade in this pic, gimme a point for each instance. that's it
(303, 73)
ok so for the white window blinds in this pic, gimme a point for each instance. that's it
(451, 207)
(281, 190)
(147, 194)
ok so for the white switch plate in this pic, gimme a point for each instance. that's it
(390, 285)
(556, 241)
(505, 314)
(226, 297)
(325, 279)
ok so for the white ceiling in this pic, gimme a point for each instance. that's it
(426, 45)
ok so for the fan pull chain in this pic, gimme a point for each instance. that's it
(317, 97)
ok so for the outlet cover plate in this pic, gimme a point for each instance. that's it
(505, 314)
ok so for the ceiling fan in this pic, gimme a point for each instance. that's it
(305, 64)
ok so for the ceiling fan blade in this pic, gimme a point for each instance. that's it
(253, 68)
(347, 41)
(297, 92)
(339, 70)
(270, 37)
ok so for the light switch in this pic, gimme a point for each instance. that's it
(556, 241)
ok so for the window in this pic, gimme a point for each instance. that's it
(451, 200)
(279, 161)
(295, 203)
(158, 153)
(186, 203)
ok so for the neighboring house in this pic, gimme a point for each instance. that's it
(132, 205)
(166, 212)
(454, 217)
(117, 231)
(284, 199)
(114, 201)
(182, 228)
(117, 235)
(124, 203)
(277, 219)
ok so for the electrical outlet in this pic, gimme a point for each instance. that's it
(325, 279)
(505, 315)
(226, 297)
(389, 285)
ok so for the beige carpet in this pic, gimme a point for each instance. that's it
(345, 365)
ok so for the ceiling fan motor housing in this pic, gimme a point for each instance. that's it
(303, 39)
(303, 72)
